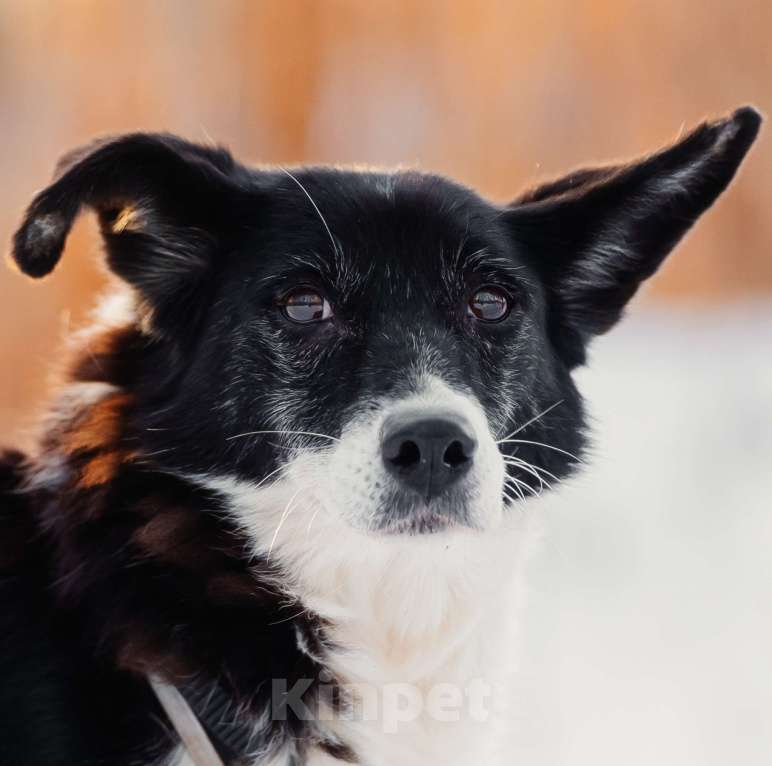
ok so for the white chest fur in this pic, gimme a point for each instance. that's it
(423, 629)
(425, 645)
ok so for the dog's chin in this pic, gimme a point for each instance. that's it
(419, 517)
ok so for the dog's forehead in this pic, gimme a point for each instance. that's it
(385, 223)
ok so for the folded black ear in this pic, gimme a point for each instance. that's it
(596, 234)
(161, 202)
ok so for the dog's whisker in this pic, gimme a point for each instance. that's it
(529, 488)
(528, 468)
(316, 207)
(285, 433)
(284, 516)
(531, 421)
(288, 619)
(265, 478)
(532, 468)
(310, 523)
(157, 452)
(520, 483)
(509, 497)
(541, 444)
(510, 481)
(538, 468)
(524, 467)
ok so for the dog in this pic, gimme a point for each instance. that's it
(275, 511)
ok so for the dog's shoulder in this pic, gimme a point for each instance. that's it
(58, 705)
(33, 691)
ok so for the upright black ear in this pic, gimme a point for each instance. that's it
(596, 234)
(161, 203)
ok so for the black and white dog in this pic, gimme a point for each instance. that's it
(281, 484)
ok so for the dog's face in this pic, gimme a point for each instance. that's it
(390, 344)
(393, 328)
(398, 338)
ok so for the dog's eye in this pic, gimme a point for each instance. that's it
(304, 305)
(489, 304)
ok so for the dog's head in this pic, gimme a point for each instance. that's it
(389, 345)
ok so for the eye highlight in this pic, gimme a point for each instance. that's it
(304, 305)
(489, 304)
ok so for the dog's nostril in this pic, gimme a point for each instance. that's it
(408, 455)
(455, 455)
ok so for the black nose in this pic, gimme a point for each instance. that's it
(428, 454)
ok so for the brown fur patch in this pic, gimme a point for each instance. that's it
(102, 427)
(100, 469)
(165, 531)
(178, 537)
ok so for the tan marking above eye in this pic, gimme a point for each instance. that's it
(128, 219)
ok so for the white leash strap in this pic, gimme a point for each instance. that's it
(192, 734)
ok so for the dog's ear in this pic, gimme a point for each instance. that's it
(161, 203)
(596, 234)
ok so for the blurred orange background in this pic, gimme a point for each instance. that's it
(496, 94)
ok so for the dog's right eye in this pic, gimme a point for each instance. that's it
(304, 305)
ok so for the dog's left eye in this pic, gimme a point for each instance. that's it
(489, 304)
(304, 305)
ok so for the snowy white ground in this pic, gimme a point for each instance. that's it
(648, 630)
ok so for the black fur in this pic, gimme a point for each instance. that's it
(115, 567)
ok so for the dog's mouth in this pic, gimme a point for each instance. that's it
(421, 517)
(427, 523)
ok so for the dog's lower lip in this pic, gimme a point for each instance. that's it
(423, 519)
(421, 525)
